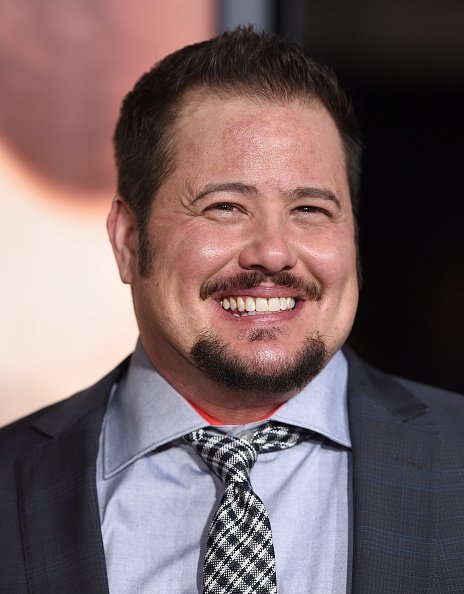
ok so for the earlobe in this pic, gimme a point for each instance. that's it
(122, 231)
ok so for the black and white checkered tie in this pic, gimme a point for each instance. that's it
(239, 554)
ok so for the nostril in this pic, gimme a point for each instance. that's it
(267, 256)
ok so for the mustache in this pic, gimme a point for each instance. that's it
(250, 280)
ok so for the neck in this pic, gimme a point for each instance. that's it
(232, 418)
(225, 405)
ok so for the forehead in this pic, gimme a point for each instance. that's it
(225, 135)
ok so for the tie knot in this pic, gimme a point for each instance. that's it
(232, 458)
(273, 436)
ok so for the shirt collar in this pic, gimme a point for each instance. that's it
(322, 405)
(145, 412)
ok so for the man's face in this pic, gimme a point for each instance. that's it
(256, 216)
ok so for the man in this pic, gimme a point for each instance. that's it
(240, 449)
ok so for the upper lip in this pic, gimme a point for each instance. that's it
(255, 284)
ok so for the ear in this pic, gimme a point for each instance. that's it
(122, 230)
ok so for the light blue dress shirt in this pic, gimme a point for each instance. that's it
(157, 497)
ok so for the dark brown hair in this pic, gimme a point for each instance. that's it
(241, 62)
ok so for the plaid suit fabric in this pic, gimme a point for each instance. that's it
(239, 554)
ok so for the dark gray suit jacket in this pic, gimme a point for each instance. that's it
(408, 490)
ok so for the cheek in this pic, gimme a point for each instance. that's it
(203, 250)
(331, 257)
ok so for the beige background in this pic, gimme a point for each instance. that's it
(65, 318)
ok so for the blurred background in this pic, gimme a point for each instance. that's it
(65, 318)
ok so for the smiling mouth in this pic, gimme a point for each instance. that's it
(251, 306)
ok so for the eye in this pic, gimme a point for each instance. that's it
(224, 206)
(310, 209)
(223, 210)
(306, 208)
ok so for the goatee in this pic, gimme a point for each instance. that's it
(223, 366)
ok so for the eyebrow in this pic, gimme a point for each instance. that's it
(310, 192)
(241, 188)
(237, 187)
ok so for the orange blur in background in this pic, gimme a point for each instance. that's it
(65, 317)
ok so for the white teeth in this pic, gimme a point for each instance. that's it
(240, 304)
(261, 304)
(274, 304)
(250, 304)
(253, 305)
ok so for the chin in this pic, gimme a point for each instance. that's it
(266, 372)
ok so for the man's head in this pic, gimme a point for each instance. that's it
(259, 66)
(238, 163)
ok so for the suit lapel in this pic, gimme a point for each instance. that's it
(57, 497)
(394, 485)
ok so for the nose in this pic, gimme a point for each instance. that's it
(269, 248)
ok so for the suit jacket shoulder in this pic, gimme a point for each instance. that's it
(443, 404)
(408, 484)
(25, 432)
(51, 540)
